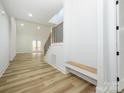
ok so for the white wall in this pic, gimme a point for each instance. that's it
(55, 53)
(55, 56)
(12, 38)
(80, 35)
(80, 31)
(28, 33)
(4, 41)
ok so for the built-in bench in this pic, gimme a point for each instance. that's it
(86, 72)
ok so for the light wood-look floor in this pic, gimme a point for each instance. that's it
(122, 91)
(29, 74)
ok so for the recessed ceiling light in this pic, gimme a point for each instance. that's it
(3, 12)
(30, 15)
(22, 24)
(38, 27)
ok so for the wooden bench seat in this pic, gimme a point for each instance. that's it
(83, 67)
(83, 71)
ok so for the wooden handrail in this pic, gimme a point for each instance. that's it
(47, 44)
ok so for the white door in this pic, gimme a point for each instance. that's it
(120, 44)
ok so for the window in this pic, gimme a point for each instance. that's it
(57, 34)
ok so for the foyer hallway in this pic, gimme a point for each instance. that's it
(28, 73)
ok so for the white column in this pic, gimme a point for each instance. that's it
(12, 38)
(112, 22)
(107, 66)
(101, 88)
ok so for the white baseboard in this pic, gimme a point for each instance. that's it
(99, 90)
(12, 58)
(121, 85)
(28, 52)
(58, 68)
(102, 90)
(22, 52)
(4, 69)
(109, 88)
(112, 90)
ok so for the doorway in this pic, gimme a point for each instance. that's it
(36, 46)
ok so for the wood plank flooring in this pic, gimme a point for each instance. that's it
(28, 73)
(122, 91)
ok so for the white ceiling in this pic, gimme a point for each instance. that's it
(42, 10)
